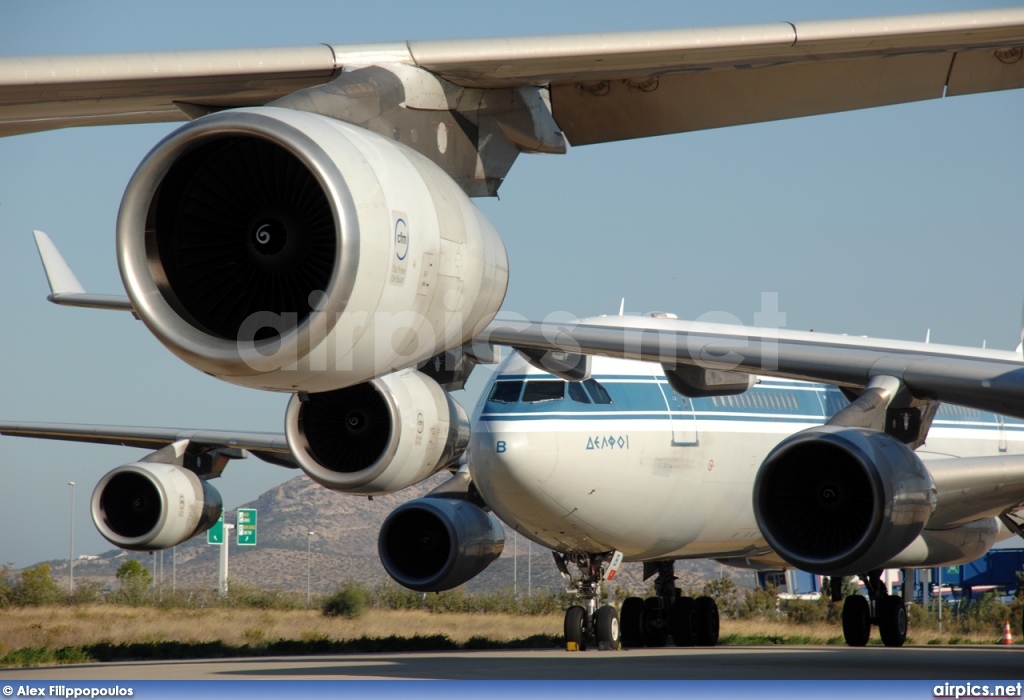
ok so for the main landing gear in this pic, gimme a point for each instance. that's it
(886, 611)
(690, 622)
(587, 621)
(668, 613)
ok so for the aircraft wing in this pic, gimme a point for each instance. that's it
(988, 380)
(604, 87)
(270, 447)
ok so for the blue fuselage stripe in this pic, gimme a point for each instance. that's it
(635, 397)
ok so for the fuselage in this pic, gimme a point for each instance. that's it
(622, 462)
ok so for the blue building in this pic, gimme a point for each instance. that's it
(997, 570)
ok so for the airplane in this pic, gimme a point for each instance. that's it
(310, 231)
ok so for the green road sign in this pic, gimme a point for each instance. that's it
(215, 535)
(247, 526)
(954, 570)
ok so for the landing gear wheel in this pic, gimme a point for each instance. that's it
(655, 629)
(682, 622)
(576, 627)
(608, 627)
(892, 620)
(857, 620)
(631, 622)
(707, 621)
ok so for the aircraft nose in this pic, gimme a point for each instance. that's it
(523, 457)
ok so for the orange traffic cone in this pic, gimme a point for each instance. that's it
(1007, 637)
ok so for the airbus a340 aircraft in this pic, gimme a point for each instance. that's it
(310, 231)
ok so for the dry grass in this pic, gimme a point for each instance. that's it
(58, 627)
(824, 633)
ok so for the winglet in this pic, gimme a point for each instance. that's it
(65, 289)
(62, 280)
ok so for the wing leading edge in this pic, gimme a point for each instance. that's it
(270, 447)
(604, 87)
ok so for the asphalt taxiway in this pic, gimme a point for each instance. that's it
(734, 663)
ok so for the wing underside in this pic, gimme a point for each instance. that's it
(604, 87)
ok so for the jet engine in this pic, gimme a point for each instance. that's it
(379, 436)
(289, 251)
(840, 501)
(147, 506)
(435, 544)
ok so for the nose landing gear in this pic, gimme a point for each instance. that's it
(587, 621)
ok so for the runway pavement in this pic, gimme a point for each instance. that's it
(734, 663)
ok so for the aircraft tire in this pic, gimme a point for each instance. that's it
(655, 627)
(707, 621)
(856, 620)
(631, 622)
(892, 620)
(682, 622)
(608, 630)
(576, 627)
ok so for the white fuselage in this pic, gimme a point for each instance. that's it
(639, 469)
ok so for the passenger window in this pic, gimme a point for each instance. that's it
(597, 392)
(577, 393)
(505, 392)
(544, 390)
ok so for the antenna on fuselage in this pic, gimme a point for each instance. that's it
(1020, 347)
(622, 308)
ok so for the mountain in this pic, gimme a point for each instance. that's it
(344, 547)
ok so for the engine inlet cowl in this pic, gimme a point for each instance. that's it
(839, 501)
(436, 544)
(379, 436)
(285, 250)
(148, 505)
(242, 227)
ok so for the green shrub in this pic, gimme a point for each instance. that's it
(348, 601)
(6, 590)
(726, 595)
(760, 603)
(135, 581)
(86, 593)
(806, 612)
(35, 587)
(243, 595)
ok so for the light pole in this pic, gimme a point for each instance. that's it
(309, 540)
(71, 559)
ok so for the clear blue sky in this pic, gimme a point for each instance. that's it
(884, 222)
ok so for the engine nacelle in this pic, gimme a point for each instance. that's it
(839, 501)
(289, 251)
(435, 544)
(147, 506)
(958, 545)
(379, 436)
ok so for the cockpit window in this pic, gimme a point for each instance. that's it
(597, 392)
(577, 393)
(543, 390)
(506, 392)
